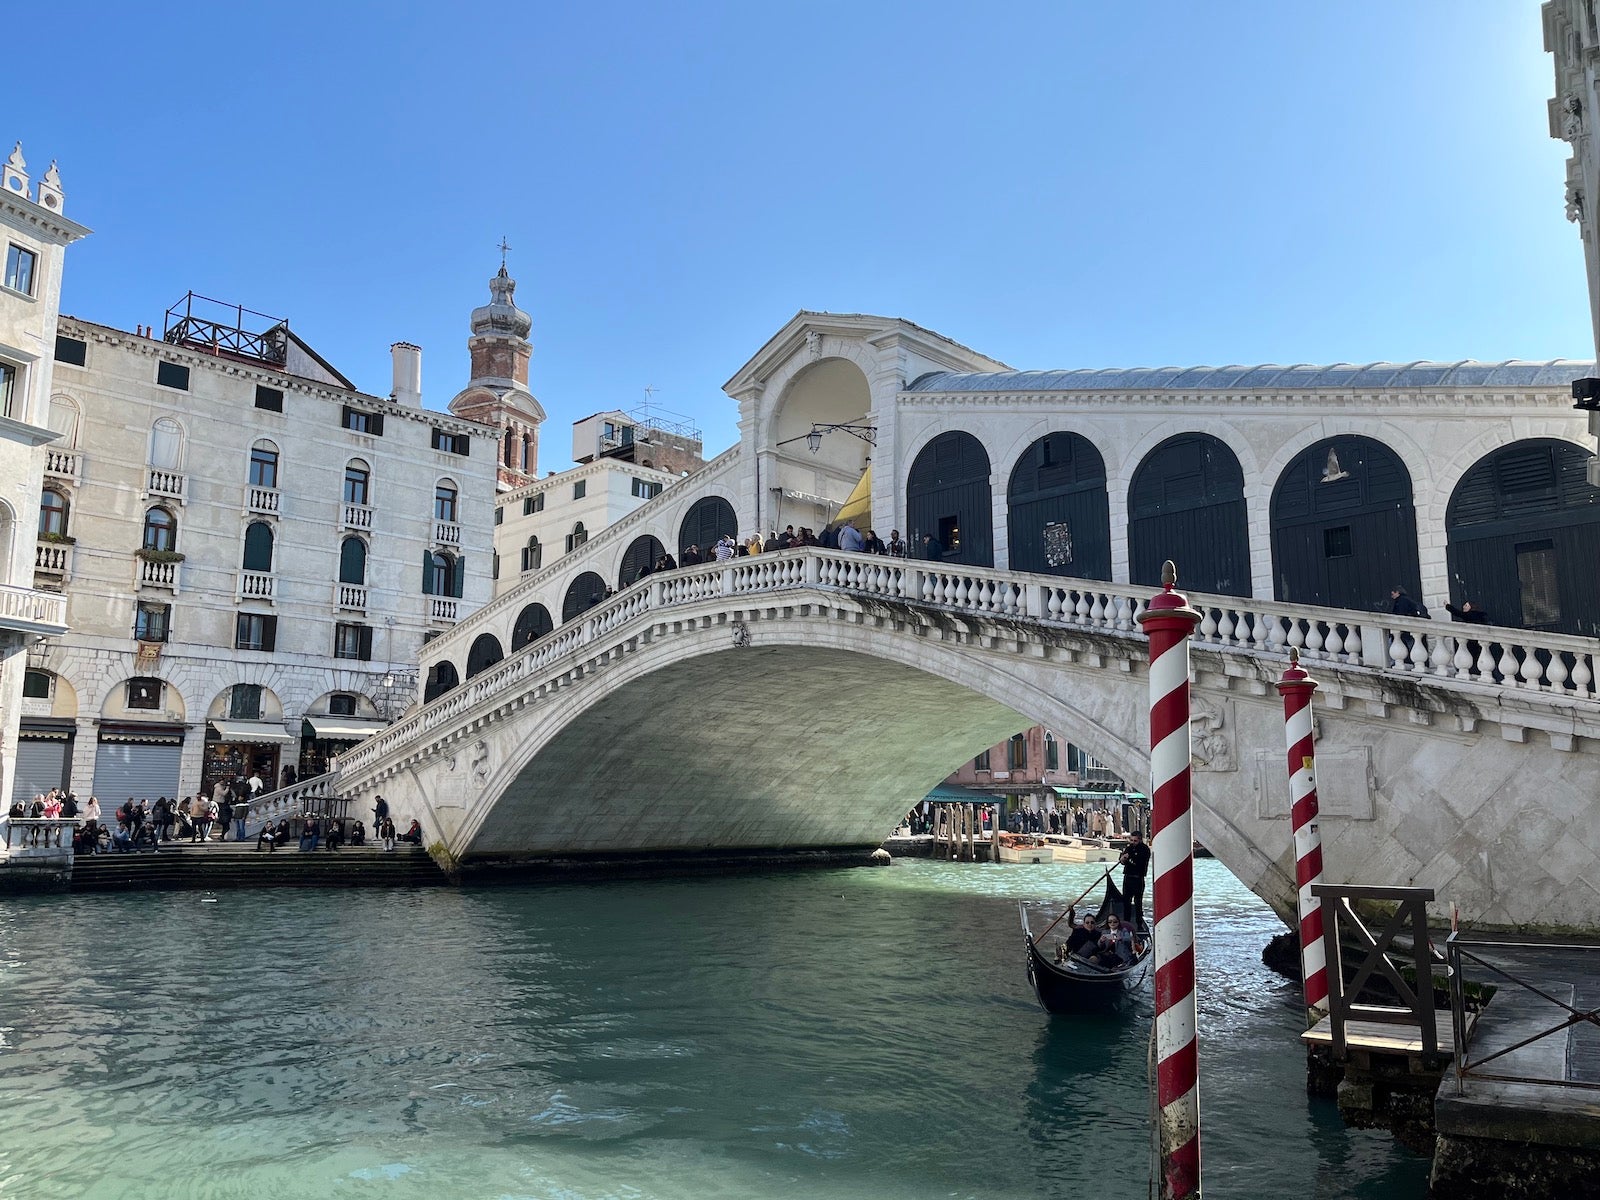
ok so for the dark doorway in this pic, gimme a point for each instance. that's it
(583, 593)
(948, 496)
(1186, 503)
(1057, 513)
(441, 679)
(533, 622)
(709, 519)
(640, 559)
(1523, 530)
(1344, 530)
(484, 654)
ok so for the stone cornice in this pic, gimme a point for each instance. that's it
(601, 466)
(29, 435)
(50, 226)
(1513, 401)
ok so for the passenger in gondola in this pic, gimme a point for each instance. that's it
(1116, 944)
(1084, 939)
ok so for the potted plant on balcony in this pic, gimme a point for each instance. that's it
(159, 556)
(60, 539)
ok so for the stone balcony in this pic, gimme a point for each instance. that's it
(158, 574)
(257, 585)
(65, 465)
(168, 485)
(356, 516)
(350, 597)
(31, 611)
(442, 609)
(52, 561)
(447, 533)
(263, 500)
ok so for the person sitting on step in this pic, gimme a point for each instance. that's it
(358, 834)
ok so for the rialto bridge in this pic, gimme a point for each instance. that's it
(802, 702)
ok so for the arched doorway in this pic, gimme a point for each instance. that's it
(442, 678)
(640, 559)
(1523, 538)
(484, 654)
(583, 593)
(708, 519)
(1186, 503)
(1344, 531)
(533, 622)
(948, 497)
(1057, 512)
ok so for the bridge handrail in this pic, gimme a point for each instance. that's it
(1408, 647)
(284, 802)
(456, 640)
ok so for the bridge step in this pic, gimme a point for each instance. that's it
(228, 865)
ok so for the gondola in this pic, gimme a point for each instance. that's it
(1076, 985)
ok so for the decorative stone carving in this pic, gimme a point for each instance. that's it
(813, 344)
(1574, 202)
(1212, 745)
(741, 633)
(479, 760)
(1572, 119)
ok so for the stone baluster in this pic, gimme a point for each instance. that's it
(1583, 675)
(1208, 626)
(1532, 671)
(1097, 611)
(1225, 627)
(1556, 672)
(1507, 666)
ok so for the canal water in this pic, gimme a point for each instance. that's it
(852, 1033)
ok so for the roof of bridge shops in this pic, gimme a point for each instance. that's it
(1344, 377)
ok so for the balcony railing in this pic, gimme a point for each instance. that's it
(256, 585)
(442, 609)
(63, 464)
(447, 533)
(263, 500)
(170, 484)
(32, 610)
(350, 596)
(158, 574)
(54, 559)
(356, 516)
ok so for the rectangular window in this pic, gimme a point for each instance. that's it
(580, 489)
(950, 535)
(1017, 753)
(1052, 754)
(8, 389)
(270, 399)
(263, 468)
(646, 489)
(256, 632)
(144, 693)
(360, 421)
(72, 351)
(152, 622)
(173, 375)
(244, 702)
(19, 269)
(1336, 543)
(452, 443)
(494, 566)
(981, 763)
(341, 704)
(1536, 573)
(499, 515)
(352, 641)
(532, 504)
(36, 685)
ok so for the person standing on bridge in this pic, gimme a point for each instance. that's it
(724, 549)
(1135, 860)
(932, 548)
(850, 538)
(1402, 605)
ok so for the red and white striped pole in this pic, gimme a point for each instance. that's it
(1296, 687)
(1168, 621)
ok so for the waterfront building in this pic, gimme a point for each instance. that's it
(252, 552)
(34, 235)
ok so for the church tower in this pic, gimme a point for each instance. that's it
(497, 393)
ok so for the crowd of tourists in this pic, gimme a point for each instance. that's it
(844, 536)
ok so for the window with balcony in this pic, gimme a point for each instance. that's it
(258, 546)
(144, 693)
(532, 504)
(1017, 753)
(646, 489)
(353, 642)
(341, 704)
(444, 502)
(152, 623)
(357, 480)
(160, 530)
(353, 561)
(166, 444)
(532, 555)
(20, 269)
(264, 465)
(256, 631)
(64, 419)
(441, 574)
(244, 702)
(577, 537)
(53, 510)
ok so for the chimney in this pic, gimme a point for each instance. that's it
(407, 373)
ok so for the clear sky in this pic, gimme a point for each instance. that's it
(1065, 184)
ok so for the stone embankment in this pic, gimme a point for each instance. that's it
(187, 865)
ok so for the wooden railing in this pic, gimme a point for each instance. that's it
(1341, 927)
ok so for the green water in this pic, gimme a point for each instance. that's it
(861, 1033)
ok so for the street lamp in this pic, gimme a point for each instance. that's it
(813, 438)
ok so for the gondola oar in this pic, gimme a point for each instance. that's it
(1074, 903)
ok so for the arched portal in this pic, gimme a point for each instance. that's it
(1057, 511)
(708, 519)
(1523, 538)
(948, 499)
(1344, 531)
(640, 559)
(810, 477)
(1186, 503)
(533, 622)
(583, 593)
(442, 678)
(484, 654)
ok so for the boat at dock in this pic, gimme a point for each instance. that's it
(1074, 984)
(1053, 848)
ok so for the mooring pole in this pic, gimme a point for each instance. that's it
(1168, 621)
(1296, 687)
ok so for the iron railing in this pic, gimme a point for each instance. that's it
(220, 328)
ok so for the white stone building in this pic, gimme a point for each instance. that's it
(252, 552)
(35, 237)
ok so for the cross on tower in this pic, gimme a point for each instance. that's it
(504, 246)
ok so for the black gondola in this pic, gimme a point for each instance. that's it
(1076, 985)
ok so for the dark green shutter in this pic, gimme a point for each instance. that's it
(365, 651)
(377, 425)
(463, 445)
(427, 572)
(459, 577)
(269, 633)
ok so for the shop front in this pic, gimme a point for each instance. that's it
(323, 738)
(137, 761)
(236, 750)
(44, 756)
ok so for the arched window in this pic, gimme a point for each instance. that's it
(640, 559)
(511, 447)
(1057, 510)
(64, 417)
(1052, 752)
(583, 593)
(527, 453)
(708, 519)
(532, 555)
(357, 479)
(484, 654)
(441, 679)
(258, 546)
(444, 501)
(441, 574)
(353, 561)
(160, 530)
(1186, 503)
(533, 622)
(52, 514)
(948, 502)
(166, 444)
(264, 465)
(577, 537)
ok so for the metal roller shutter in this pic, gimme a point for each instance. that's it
(136, 769)
(41, 765)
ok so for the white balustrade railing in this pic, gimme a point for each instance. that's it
(1472, 655)
(158, 574)
(172, 484)
(31, 607)
(442, 609)
(306, 796)
(62, 464)
(356, 516)
(256, 585)
(264, 500)
(351, 596)
(53, 558)
(447, 533)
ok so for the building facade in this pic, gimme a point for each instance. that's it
(34, 235)
(252, 552)
(497, 393)
(1036, 771)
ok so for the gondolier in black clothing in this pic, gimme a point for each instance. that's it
(1135, 860)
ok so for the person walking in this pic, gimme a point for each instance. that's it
(225, 815)
(197, 818)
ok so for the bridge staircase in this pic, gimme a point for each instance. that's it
(215, 866)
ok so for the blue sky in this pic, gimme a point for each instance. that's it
(1057, 185)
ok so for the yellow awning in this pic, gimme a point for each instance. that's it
(858, 505)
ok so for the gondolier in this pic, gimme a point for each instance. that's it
(1135, 860)
(1075, 982)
